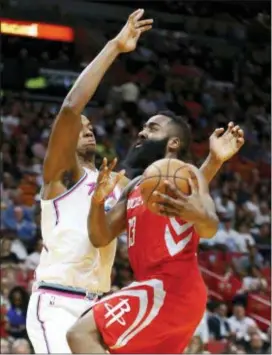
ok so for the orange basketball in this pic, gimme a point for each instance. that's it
(174, 170)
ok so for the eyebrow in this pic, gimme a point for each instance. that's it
(152, 124)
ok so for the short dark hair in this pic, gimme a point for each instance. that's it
(183, 132)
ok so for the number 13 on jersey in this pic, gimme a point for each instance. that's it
(131, 231)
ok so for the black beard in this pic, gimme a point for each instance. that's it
(138, 159)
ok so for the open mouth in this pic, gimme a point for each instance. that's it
(138, 144)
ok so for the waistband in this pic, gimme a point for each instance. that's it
(69, 290)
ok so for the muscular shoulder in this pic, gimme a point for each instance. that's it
(129, 187)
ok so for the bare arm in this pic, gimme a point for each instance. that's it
(103, 226)
(210, 167)
(207, 226)
(60, 156)
(61, 151)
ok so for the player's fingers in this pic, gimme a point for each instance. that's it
(143, 23)
(104, 163)
(113, 164)
(137, 15)
(163, 198)
(175, 192)
(145, 28)
(192, 186)
(164, 209)
(235, 130)
(240, 133)
(230, 126)
(133, 14)
(240, 142)
(218, 132)
(119, 176)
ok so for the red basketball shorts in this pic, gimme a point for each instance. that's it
(143, 318)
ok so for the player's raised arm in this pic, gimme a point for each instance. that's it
(60, 156)
(223, 146)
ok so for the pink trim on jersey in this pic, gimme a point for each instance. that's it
(67, 193)
(61, 293)
(42, 325)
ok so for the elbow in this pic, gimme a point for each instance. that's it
(96, 241)
(209, 229)
(68, 108)
(212, 228)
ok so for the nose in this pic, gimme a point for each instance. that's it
(88, 133)
(142, 135)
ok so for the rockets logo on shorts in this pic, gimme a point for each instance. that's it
(123, 315)
(115, 313)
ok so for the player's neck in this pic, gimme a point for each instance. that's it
(87, 163)
(170, 155)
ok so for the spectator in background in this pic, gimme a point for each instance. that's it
(7, 256)
(29, 186)
(196, 346)
(239, 323)
(24, 228)
(130, 95)
(20, 346)
(17, 247)
(147, 104)
(226, 237)
(264, 215)
(225, 206)
(252, 205)
(264, 235)
(256, 344)
(33, 259)
(245, 239)
(254, 282)
(39, 148)
(16, 313)
(218, 323)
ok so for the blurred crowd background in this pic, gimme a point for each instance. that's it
(209, 61)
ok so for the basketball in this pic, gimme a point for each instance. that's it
(174, 170)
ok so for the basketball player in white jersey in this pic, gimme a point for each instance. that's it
(72, 274)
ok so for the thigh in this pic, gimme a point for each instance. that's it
(126, 319)
(47, 325)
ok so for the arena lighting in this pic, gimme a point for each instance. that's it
(37, 30)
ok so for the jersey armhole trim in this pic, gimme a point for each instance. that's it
(56, 200)
(67, 192)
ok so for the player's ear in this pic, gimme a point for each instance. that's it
(174, 144)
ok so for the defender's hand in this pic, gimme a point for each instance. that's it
(188, 207)
(127, 39)
(106, 182)
(224, 146)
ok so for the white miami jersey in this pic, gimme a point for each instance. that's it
(68, 257)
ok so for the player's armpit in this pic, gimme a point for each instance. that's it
(207, 227)
(61, 152)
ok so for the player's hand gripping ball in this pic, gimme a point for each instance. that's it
(154, 177)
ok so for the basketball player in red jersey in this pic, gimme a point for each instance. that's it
(159, 312)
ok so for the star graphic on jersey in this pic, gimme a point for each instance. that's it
(91, 186)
